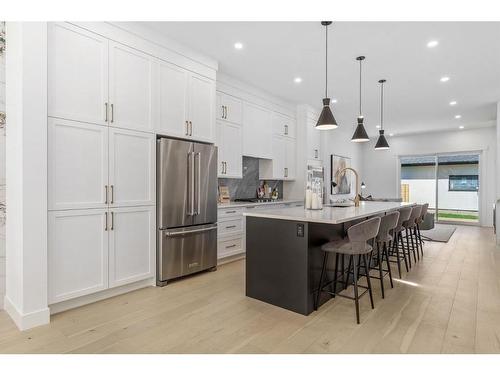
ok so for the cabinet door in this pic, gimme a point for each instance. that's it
(313, 141)
(77, 253)
(221, 149)
(172, 100)
(131, 168)
(232, 109)
(290, 158)
(257, 132)
(202, 108)
(233, 155)
(220, 112)
(130, 88)
(131, 244)
(77, 165)
(77, 74)
(278, 157)
(283, 125)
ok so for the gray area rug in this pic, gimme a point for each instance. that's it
(440, 233)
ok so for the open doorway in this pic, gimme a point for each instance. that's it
(448, 182)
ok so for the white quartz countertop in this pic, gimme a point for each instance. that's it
(250, 204)
(329, 215)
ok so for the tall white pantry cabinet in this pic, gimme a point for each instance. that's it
(106, 103)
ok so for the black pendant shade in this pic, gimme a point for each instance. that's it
(381, 142)
(326, 120)
(360, 134)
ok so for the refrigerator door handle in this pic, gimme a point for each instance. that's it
(198, 178)
(173, 233)
(191, 183)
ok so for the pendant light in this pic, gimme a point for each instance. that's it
(326, 120)
(381, 142)
(360, 132)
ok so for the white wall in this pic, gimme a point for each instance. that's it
(2, 181)
(381, 168)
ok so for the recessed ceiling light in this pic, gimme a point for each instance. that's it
(453, 102)
(238, 45)
(458, 116)
(432, 43)
(378, 126)
(334, 100)
(297, 80)
(445, 79)
(461, 127)
(391, 134)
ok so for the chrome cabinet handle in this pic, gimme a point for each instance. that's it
(222, 166)
(230, 212)
(187, 128)
(316, 153)
(112, 113)
(286, 129)
(225, 167)
(106, 221)
(230, 226)
(106, 110)
(191, 128)
(230, 246)
(222, 107)
(112, 194)
(112, 220)
(106, 194)
(226, 111)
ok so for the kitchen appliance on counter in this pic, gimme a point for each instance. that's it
(186, 208)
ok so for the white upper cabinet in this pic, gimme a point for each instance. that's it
(77, 165)
(130, 88)
(313, 140)
(78, 74)
(131, 244)
(77, 253)
(131, 168)
(229, 108)
(201, 108)
(290, 158)
(257, 132)
(172, 100)
(230, 150)
(283, 125)
(279, 157)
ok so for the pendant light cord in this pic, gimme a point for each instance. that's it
(382, 106)
(326, 62)
(360, 87)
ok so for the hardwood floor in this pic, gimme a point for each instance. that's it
(448, 303)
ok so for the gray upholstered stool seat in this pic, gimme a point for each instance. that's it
(356, 248)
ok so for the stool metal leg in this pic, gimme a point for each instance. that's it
(408, 247)
(368, 280)
(380, 271)
(413, 246)
(356, 296)
(388, 263)
(403, 250)
(346, 282)
(316, 302)
(334, 284)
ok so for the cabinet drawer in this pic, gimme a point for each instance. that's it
(233, 226)
(228, 212)
(229, 247)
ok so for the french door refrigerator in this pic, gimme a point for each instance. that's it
(186, 208)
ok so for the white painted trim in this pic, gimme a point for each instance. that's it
(26, 321)
(99, 296)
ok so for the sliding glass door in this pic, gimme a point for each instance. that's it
(448, 182)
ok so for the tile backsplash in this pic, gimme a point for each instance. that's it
(246, 187)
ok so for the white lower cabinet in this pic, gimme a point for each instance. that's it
(96, 249)
(77, 253)
(131, 245)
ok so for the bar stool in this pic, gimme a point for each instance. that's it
(387, 224)
(398, 246)
(410, 226)
(355, 245)
(419, 221)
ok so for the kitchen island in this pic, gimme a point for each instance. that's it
(283, 250)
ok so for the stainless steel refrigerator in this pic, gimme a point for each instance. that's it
(186, 208)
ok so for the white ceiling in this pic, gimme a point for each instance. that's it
(416, 101)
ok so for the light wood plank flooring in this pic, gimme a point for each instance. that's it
(448, 303)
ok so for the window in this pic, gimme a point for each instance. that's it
(463, 183)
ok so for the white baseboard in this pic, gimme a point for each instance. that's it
(29, 320)
(99, 296)
(231, 258)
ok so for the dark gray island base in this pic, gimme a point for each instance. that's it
(284, 257)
